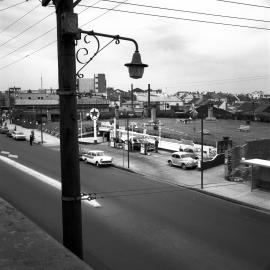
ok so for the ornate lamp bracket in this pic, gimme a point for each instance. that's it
(83, 55)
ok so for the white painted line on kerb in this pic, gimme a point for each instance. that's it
(41, 177)
(12, 156)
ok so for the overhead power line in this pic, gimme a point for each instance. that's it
(184, 19)
(245, 4)
(225, 81)
(12, 6)
(120, 3)
(28, 55)
(38, 37)
(24, 45)
(49, 44)
(191, 12)
(25, 30)
(8, 26)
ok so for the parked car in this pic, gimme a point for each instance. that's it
(18, 135)
(97, 158)
(10, 132)
(183, 159)
(81, 153)
(149, 145)
(134, 143)
(4, 130)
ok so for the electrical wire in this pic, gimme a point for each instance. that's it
(184, 19)
(12, 6)
(49, 44)
(38, 37)
(8, 26)
(224, 81)
(4, 56)
(189, 11)
(25, 30)
(28, 55)
(245, 4)
(120, 3)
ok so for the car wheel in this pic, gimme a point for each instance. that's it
(170, 163)
(184, 167)
(85, 161)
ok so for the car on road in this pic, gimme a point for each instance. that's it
(9, 133)
(81, 153)
(183, 160)
(97, 157)
(4, 130)
(149, 145)
(18, 135)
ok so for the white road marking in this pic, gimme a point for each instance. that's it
(12, 156)
(41, 177)
(5, 152)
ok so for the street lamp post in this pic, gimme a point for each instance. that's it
(81, 123)
(128, 138)
(67, 34)
(41, 126)
(202, 151)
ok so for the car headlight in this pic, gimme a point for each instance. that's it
(101, 160)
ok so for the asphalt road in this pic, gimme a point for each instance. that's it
(141, 224)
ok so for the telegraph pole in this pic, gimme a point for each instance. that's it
(67, 27)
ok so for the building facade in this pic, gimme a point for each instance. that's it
(100, 84)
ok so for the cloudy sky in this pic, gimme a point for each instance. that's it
(184, 51)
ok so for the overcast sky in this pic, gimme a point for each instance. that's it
(182, 55)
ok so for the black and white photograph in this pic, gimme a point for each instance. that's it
(134, 135)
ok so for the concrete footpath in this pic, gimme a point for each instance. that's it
(25, 246)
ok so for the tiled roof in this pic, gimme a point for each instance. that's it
(35, 102)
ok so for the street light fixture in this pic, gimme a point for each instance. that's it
(135, 67)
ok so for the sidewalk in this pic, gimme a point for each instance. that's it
(25, 246)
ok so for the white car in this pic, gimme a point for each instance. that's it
(183, 159)
(97, 158)
(18, 135)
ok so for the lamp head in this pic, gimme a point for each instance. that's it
(136, 67)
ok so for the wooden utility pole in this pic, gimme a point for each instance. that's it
(67, 26)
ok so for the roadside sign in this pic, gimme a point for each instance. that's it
(94, 114)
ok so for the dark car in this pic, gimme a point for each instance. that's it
(9, 133)
(4, 130)
(149, 146)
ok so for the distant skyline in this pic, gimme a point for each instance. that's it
(182, 53)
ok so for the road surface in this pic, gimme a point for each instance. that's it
(141, 224)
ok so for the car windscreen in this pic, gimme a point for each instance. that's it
(100, 154)
(188, 155)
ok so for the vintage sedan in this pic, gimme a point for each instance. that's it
(18, 135)
(183, 160)
(97, 157)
